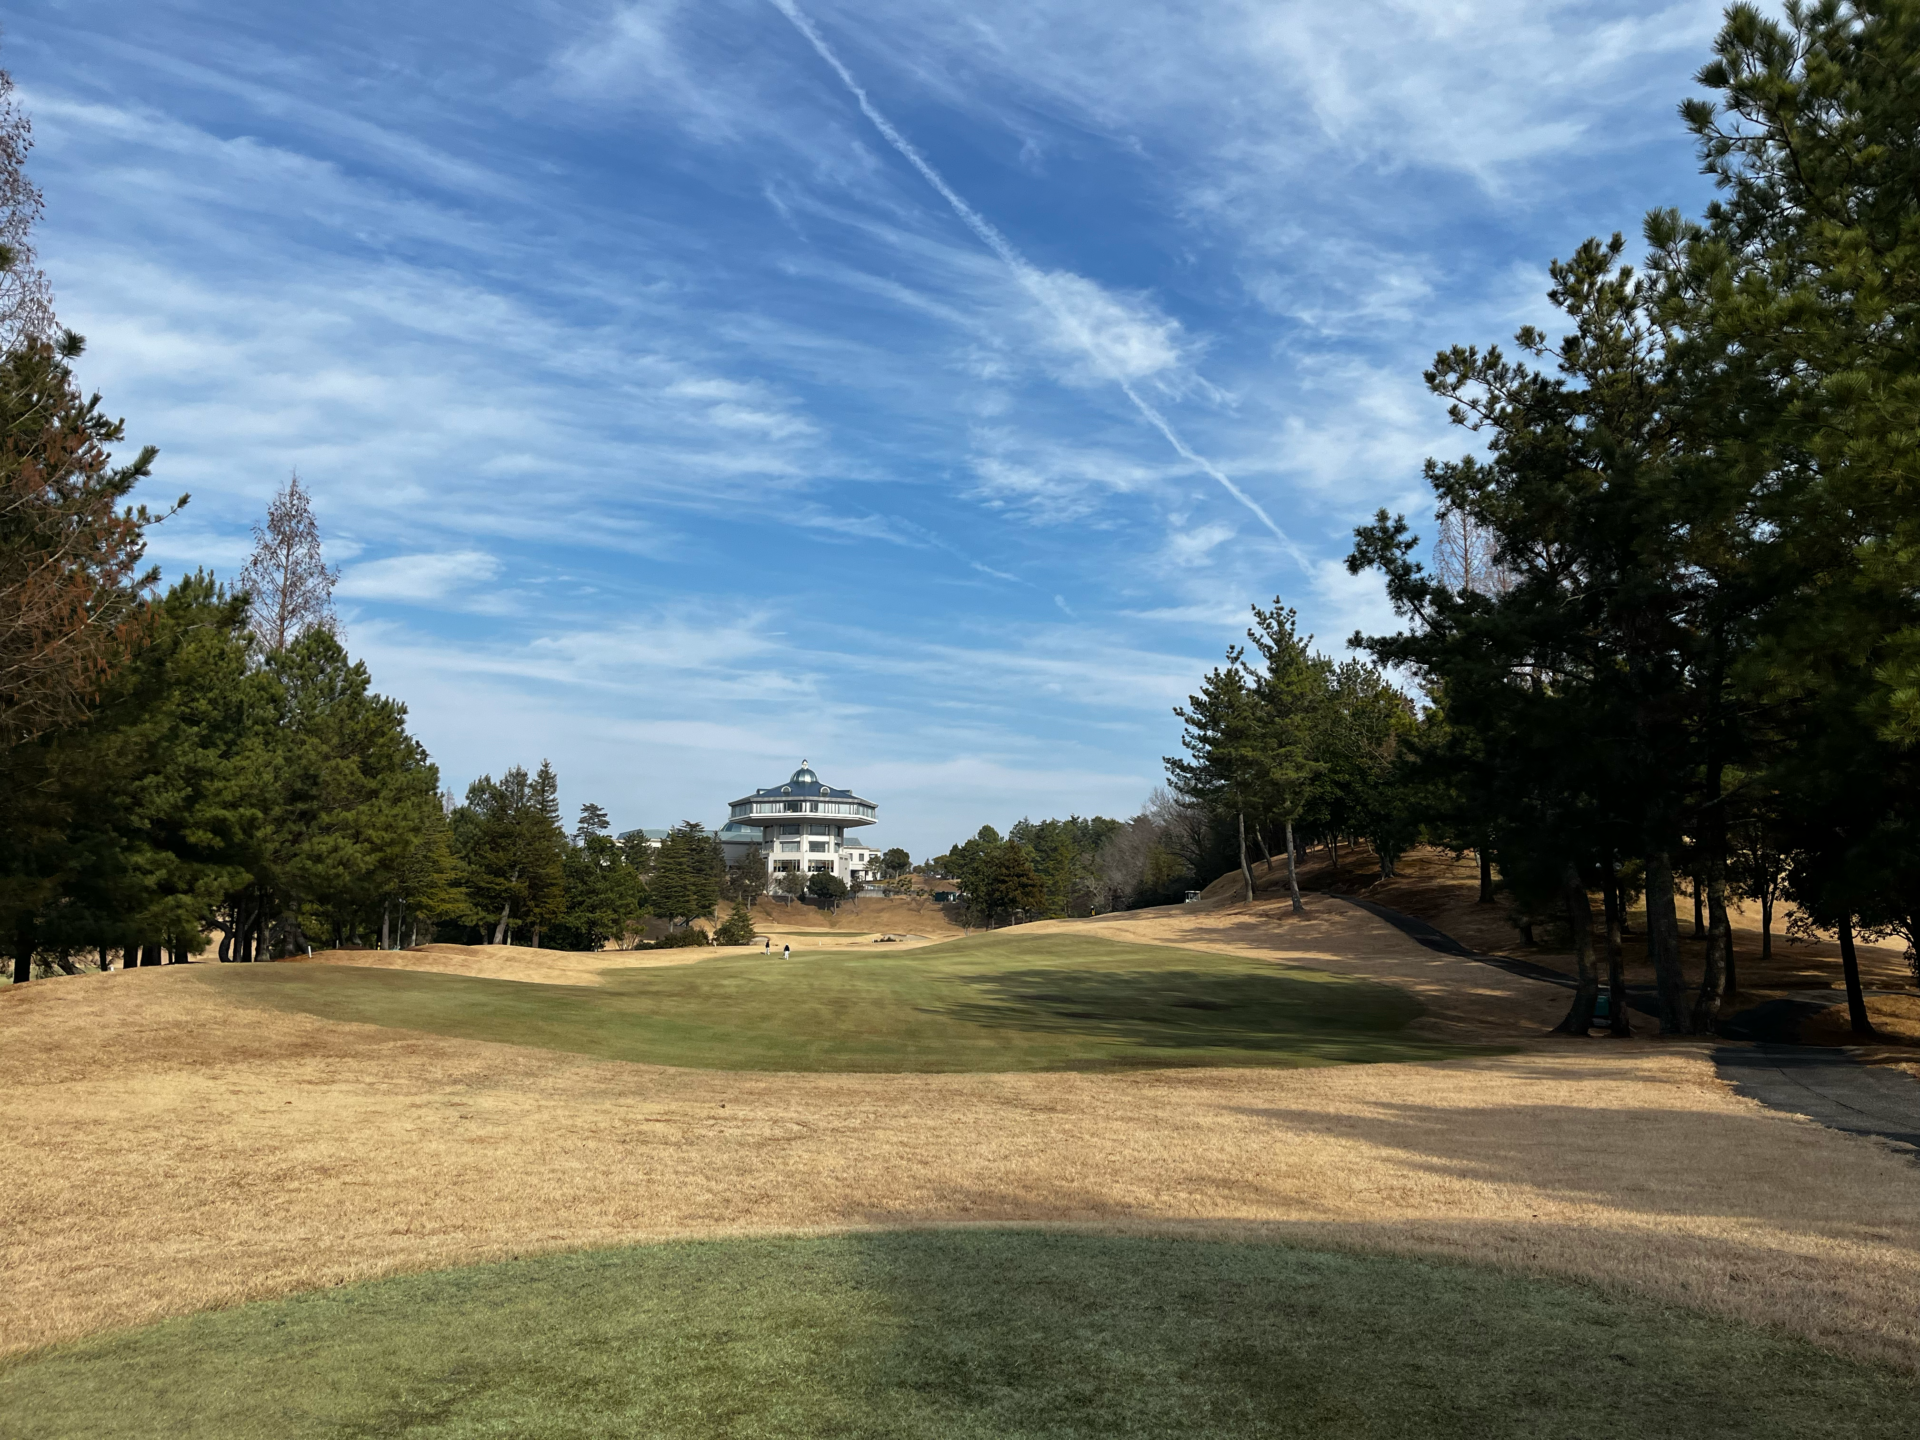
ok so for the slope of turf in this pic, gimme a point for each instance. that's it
(949, 1335)
(1002, 1002)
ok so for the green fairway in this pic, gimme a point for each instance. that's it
(952, 1334)
(1001, 1002)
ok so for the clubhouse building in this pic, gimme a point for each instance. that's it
(803, 825)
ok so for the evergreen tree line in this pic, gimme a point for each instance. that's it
(1284, 746)
(1046, 869)
(211, 760)
(1672, 626)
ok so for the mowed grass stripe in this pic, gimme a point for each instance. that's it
(1001, 1002)
(954, 1334)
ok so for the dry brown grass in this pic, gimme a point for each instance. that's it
(1896, 1023)
(509, 962)
(1443, 889)
(869, 917)
(172, 1153)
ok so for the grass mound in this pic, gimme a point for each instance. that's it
(1004, 1002)
(952, 1334)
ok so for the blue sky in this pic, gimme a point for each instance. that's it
(668, 422)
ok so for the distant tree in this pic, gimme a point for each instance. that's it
(287, 576)
(509, 836)
(548, 901)
(605, 897)
(826, 886)
(1466, 553)
(895, 862)
(1227, 768)
(26, 300)
(790, 883)
(737, 928)
(426, 881)
(593, 821)
(687, 872)
(747, 876)
(997, 877)
(639, 850)
(343, 795)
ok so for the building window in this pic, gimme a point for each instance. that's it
(789, 829)
(793, 807)
(817, 866)
(814, 806)
(819, 830)
(789, 847)
(815, 847)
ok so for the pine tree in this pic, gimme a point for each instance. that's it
(546, 848)
(737, 928)
(70, 556)
(687, 872)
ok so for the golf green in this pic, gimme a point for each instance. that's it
(953, 1334)
(997, 1002)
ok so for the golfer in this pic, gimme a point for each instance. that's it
(786, 952)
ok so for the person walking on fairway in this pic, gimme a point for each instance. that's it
(786, 952)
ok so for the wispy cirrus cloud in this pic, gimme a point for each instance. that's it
(668, 418)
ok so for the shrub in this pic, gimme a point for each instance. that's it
(675, 939)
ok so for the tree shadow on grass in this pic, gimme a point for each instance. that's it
(1155, 1013)
(938, 1335)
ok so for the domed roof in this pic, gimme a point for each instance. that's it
(804, 783)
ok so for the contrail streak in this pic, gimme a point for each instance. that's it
(1032, 280)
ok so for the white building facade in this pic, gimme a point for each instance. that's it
(803, 826)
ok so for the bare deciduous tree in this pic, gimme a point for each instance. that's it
(26, 300)
(1466, 555)
(288, 580)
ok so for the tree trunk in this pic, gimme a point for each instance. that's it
(149, 955)
(1486, 878)
(1612, 901)
(1699, 917)
(1245, 869)
(226, 945)
(536, 929)
(1766, 927)
(1857, 1019)
(386, 926)
(129, 957)
(1336, 855)
(1714, 981)
(1663, 945)
(1293, 877)
(1580, 918)
(105, 963)
(500, 930)
(23, 952)
(1260, 834)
